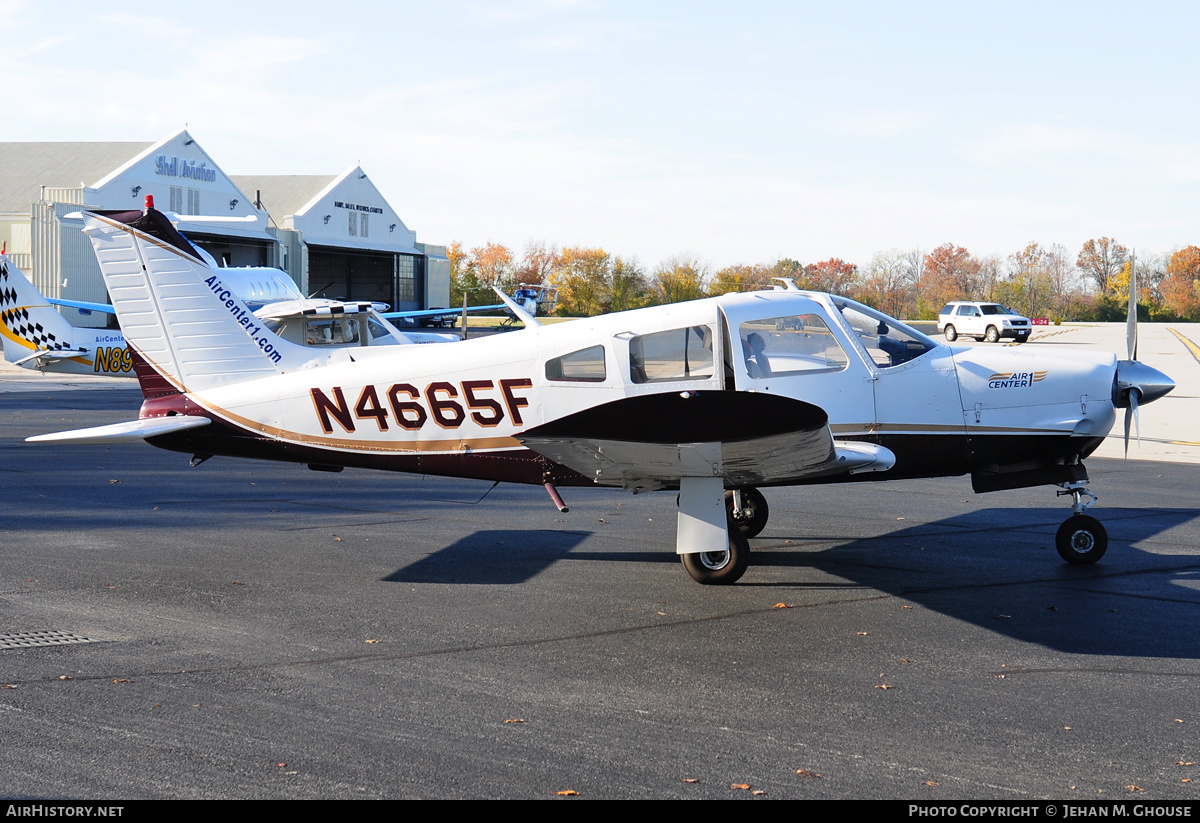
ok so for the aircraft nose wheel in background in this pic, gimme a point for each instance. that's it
(720, 568)
(1081, 539)
(751, 515)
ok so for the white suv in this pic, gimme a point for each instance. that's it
(983, 321)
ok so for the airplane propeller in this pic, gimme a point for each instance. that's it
(1135, 382)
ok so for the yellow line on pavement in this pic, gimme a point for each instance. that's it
(1192, 347)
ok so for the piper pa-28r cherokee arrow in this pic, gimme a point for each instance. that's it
(714, 397)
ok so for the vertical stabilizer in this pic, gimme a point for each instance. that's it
(27, 322)
(177, 312)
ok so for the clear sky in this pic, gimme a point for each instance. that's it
(731, 132)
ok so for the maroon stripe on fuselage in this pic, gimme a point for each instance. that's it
(514, 466)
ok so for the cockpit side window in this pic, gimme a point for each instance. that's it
(378, 333)
(678, 354)
(792, 345)
(583, 366)
(888, 341)
(338, 331)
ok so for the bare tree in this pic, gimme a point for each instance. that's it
(1101, 259)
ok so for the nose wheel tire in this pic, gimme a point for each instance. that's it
(992, 334)
(720, 568)
(1081, 539)
(754, 514)
(951, 334)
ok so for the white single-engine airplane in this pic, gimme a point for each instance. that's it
(714, 397)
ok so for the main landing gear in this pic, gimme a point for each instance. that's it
(747, 509)
(746, 515)
(1081, 539)
(720, 568)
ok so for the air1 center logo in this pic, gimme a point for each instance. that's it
(1016, 379)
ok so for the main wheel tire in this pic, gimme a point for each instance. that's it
(720, 568)
(755, 512)
(951, 334)
(1081, 539)
(992, 335)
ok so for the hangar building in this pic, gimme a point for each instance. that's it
(335, 235)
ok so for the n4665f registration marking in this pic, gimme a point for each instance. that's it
(411, 408)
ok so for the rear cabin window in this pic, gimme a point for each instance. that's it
(679, 354)
(584, 366)
(338, 331)
(783, 346)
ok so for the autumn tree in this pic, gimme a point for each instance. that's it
(1027, 288)
(629, 287)
(742, 278)
(678, 279)
(493, 265)
(583, 278)
(536, 264)
(463, 278)
(1100, 260)
(1181, 286)
(950, 273)
(833, 275)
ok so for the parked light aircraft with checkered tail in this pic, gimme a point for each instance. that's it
(715, 398)
(36, 336)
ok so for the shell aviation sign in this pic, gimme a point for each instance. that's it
(181, 167)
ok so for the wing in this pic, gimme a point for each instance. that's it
(744, 438)
(413, 315)
(82, 305)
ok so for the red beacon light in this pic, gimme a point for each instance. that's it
(149, 202)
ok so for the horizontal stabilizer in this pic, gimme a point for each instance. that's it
(654, 441)
(46, 355)
(129, 432)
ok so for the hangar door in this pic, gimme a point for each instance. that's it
(346, 275)
(235, 251)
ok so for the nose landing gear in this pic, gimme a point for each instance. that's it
(1081, 539)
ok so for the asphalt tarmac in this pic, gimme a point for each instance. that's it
(264, 631)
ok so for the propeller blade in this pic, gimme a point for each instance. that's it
(1133, 405)
(1128, 417)
(1131, 414)
(1131, 316)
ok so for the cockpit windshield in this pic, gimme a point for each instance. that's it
(886, 340)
